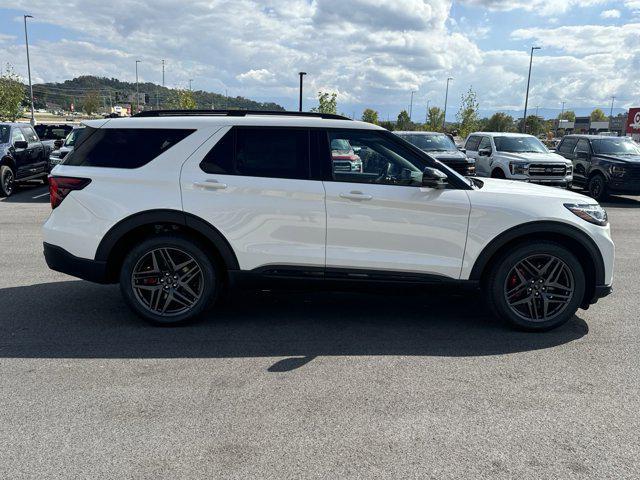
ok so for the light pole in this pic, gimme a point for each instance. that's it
(411, 106)
(301, 74)
(191, 84)
(446, 97)
(611, 111)
(526, 98)
(137, 88)
(163, 72)
(427, 117)
(26, 40)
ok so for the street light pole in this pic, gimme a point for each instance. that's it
(191, 84)
(446, 97)
(137, 89)
(526, 98)
(427, 117)
(301, 74)
(26, 39)
(411, 106)
(163, 72)
(611, 111)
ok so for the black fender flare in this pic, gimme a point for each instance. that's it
(537, 228)
(7, 160)
(150, 217)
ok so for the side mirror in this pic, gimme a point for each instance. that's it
(485, 152)
(462, 149)
(20, 144)
(434, 178)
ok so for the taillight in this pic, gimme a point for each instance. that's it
(59, 188)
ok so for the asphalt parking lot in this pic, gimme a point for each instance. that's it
(309, 385)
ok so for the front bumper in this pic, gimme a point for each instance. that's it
(600, 291)
(60, 260)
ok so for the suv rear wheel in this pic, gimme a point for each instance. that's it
(7, 181)
(169, 280)
(536, 286)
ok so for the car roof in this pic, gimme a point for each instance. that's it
(204, 121)
(502, 134)
(408, 132)
(590, 137)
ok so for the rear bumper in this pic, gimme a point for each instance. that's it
(60, 260)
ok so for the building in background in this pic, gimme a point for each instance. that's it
(633, 123)
(619, 124)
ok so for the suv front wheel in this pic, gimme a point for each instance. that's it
(7, 179)
(536, 286)
(169, 280)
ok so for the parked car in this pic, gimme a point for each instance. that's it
(57, 156)
(603, 165)
(441, 147)
(22, 156)
(53, 135)
(344, 157)
(517, 156)
(176, 207)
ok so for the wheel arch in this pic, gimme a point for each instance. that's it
(113, 246)
(569, 236)
(7, 160)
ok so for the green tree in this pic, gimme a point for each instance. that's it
(182, 100)
(598, 116)
(435, 119)
(389, 125)
(499, 122)
(404, 122)
(370, 116)
(569, 115)
(535, 125)
(12, 93)
(467, 115)
(91, 102)
(327, 103)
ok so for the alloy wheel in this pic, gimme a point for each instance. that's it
(167, 281)
(539, 288)
(7, 181)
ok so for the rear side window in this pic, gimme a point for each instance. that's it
(260, 152)
(567, 145)
(122, 148)
(472, 143)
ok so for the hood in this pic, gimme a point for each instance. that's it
(534, 157)
(621, 158)
(448, 155)
(514, 188)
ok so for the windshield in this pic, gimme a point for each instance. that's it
(615, 146)
(431, 143)
(4, 133)
(519, 145)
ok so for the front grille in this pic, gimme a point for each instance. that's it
(460, 167)
(547, 170)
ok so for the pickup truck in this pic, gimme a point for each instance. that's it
(22, 156)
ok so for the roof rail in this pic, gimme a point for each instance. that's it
(236, 113)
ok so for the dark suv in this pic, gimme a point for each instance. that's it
(22, 156)
(603, 165)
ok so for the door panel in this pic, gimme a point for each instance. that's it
(400, 228)
(267, 221)
(35, 152)
(20, 155)
(483, 163)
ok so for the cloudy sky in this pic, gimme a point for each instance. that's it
(373, 53)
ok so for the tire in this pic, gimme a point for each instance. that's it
(159, 279)
(497, 173)
(512, 297)
(597, 187)
(7, 181)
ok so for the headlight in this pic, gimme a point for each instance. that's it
(616, 170)
(589, 213)
(519, 168)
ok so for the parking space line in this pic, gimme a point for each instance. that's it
(41, 195)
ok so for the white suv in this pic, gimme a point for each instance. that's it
(177, 206)
(517, 156)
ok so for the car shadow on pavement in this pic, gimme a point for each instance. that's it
(620, 202)
(78, 319)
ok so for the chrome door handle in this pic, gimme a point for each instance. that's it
(355, 196)
(210, 185)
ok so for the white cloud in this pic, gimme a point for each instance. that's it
(540, 7)
(613, 13)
